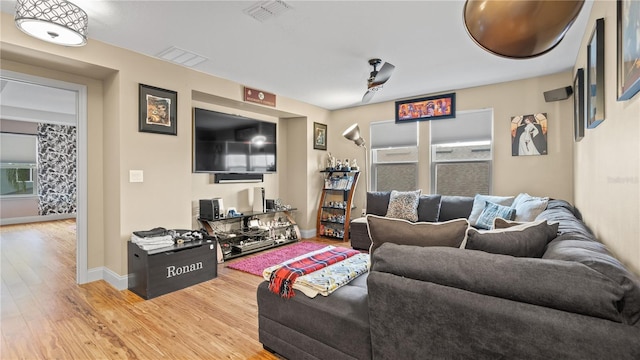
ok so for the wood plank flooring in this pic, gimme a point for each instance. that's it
(46, 315)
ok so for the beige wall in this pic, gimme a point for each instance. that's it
(607, 160)
(606, 163)
(165, 198)
(547, 175)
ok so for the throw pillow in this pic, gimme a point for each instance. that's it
(529, 207)
(491, 212)
(399, 231)
(479, 202)
(404, 205)
(527, 240)
(429, 208)
(500, 223)
(378, 202)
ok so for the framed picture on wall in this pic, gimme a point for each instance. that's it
(426, 108)
(578, 105)
(595, 76)
(529, 134)
(319, 136)
(628, 27)
(158, 110)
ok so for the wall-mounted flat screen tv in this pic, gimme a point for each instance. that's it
(225, 143)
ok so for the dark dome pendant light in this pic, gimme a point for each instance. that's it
(520, 28)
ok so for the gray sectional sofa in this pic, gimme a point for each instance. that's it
(575, 302)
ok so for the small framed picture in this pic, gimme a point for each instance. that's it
(595, 76)
(158, 110)
(426, 108)
(578, 105)
(319, 136)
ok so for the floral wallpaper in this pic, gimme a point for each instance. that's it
(57, 182)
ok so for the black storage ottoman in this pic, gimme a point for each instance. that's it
(157, 272)
(359, 234)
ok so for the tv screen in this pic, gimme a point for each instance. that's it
(225, 143)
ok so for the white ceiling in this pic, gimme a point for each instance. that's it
(318, 51)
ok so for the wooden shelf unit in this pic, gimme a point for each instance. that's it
(336, 203)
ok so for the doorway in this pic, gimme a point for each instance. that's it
(25, 111)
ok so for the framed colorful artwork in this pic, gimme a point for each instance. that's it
(158, 110)
(426, 108)
(529, 134)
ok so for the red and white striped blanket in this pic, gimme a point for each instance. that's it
(281, 281)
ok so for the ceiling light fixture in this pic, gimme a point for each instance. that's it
(55, 21)
(519, 29)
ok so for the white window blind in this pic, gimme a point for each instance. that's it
(386, 134)
(461, 154)
(466, 127)
(394, 160)
(18, 148)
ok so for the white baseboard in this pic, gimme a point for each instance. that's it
(120, 282)
(32, 219)
(307, 234)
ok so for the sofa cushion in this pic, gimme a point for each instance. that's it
(528, 207)
(480, 201)
(404, 205)
(429, 208)
(533, 281)
(491, 212)
(383, 229)
(526, 240)
(378, 202)
(576, 248)
(454, 207)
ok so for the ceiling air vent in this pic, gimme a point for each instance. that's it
(181, 57)
(265, 10)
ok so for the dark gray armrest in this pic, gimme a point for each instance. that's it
(562, 285)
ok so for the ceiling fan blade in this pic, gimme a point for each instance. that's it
(368, 96)
(383, 75)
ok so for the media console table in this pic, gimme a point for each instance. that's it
(252, 231)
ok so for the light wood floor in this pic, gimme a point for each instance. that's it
(46, 315)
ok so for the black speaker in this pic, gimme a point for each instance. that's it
(211, 209)
(237, 178)
(270, 204)
(558, 94)
(206, 209)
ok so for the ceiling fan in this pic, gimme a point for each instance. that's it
(377, 78)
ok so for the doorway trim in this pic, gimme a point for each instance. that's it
(82, 155)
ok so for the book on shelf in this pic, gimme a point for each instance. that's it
(339, 183)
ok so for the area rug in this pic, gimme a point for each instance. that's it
(256, 264)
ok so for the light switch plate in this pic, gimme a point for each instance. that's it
(136, 176)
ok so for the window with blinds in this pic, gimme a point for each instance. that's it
(394, 156)
(18, 164)
(461, 154)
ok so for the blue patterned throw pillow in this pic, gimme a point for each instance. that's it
(492, 211)
(404, 205)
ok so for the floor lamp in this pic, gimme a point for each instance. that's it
(353, 133)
